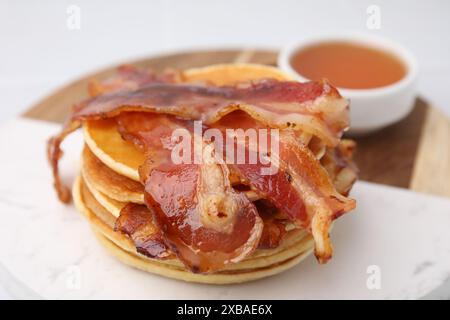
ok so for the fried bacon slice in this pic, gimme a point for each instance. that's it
(54, 154)
(313, 107)
(275, 224)
(138, 223)
(300, 187)
(340, 167)
(205, 221)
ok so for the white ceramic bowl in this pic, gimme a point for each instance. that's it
(370, 109)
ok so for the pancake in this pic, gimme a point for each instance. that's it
(109, 180)
(219, 278)
(107, 145)
(228, 74)
(123, 157)
(296, 246)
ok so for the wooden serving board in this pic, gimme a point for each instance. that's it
(413, 154)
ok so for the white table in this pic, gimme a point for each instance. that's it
(39, 52)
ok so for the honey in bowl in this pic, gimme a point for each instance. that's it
(349, 65)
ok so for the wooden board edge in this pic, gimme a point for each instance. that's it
(431, 172)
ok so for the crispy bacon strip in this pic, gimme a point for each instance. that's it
(314, 107)
(273, 233)
(300, 187)
(54, 154)
(309, 182)
(204, 220)
(274, 225)
(340, 167)
(136, 221)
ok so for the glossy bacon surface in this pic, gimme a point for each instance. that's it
(138, 223)
(300, 187)
(204, 220)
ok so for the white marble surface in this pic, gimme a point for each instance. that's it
(48, 251)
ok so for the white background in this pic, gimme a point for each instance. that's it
(39, 53)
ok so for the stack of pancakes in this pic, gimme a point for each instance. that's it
(109, 180)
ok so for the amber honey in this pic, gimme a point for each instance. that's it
(349, 65)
